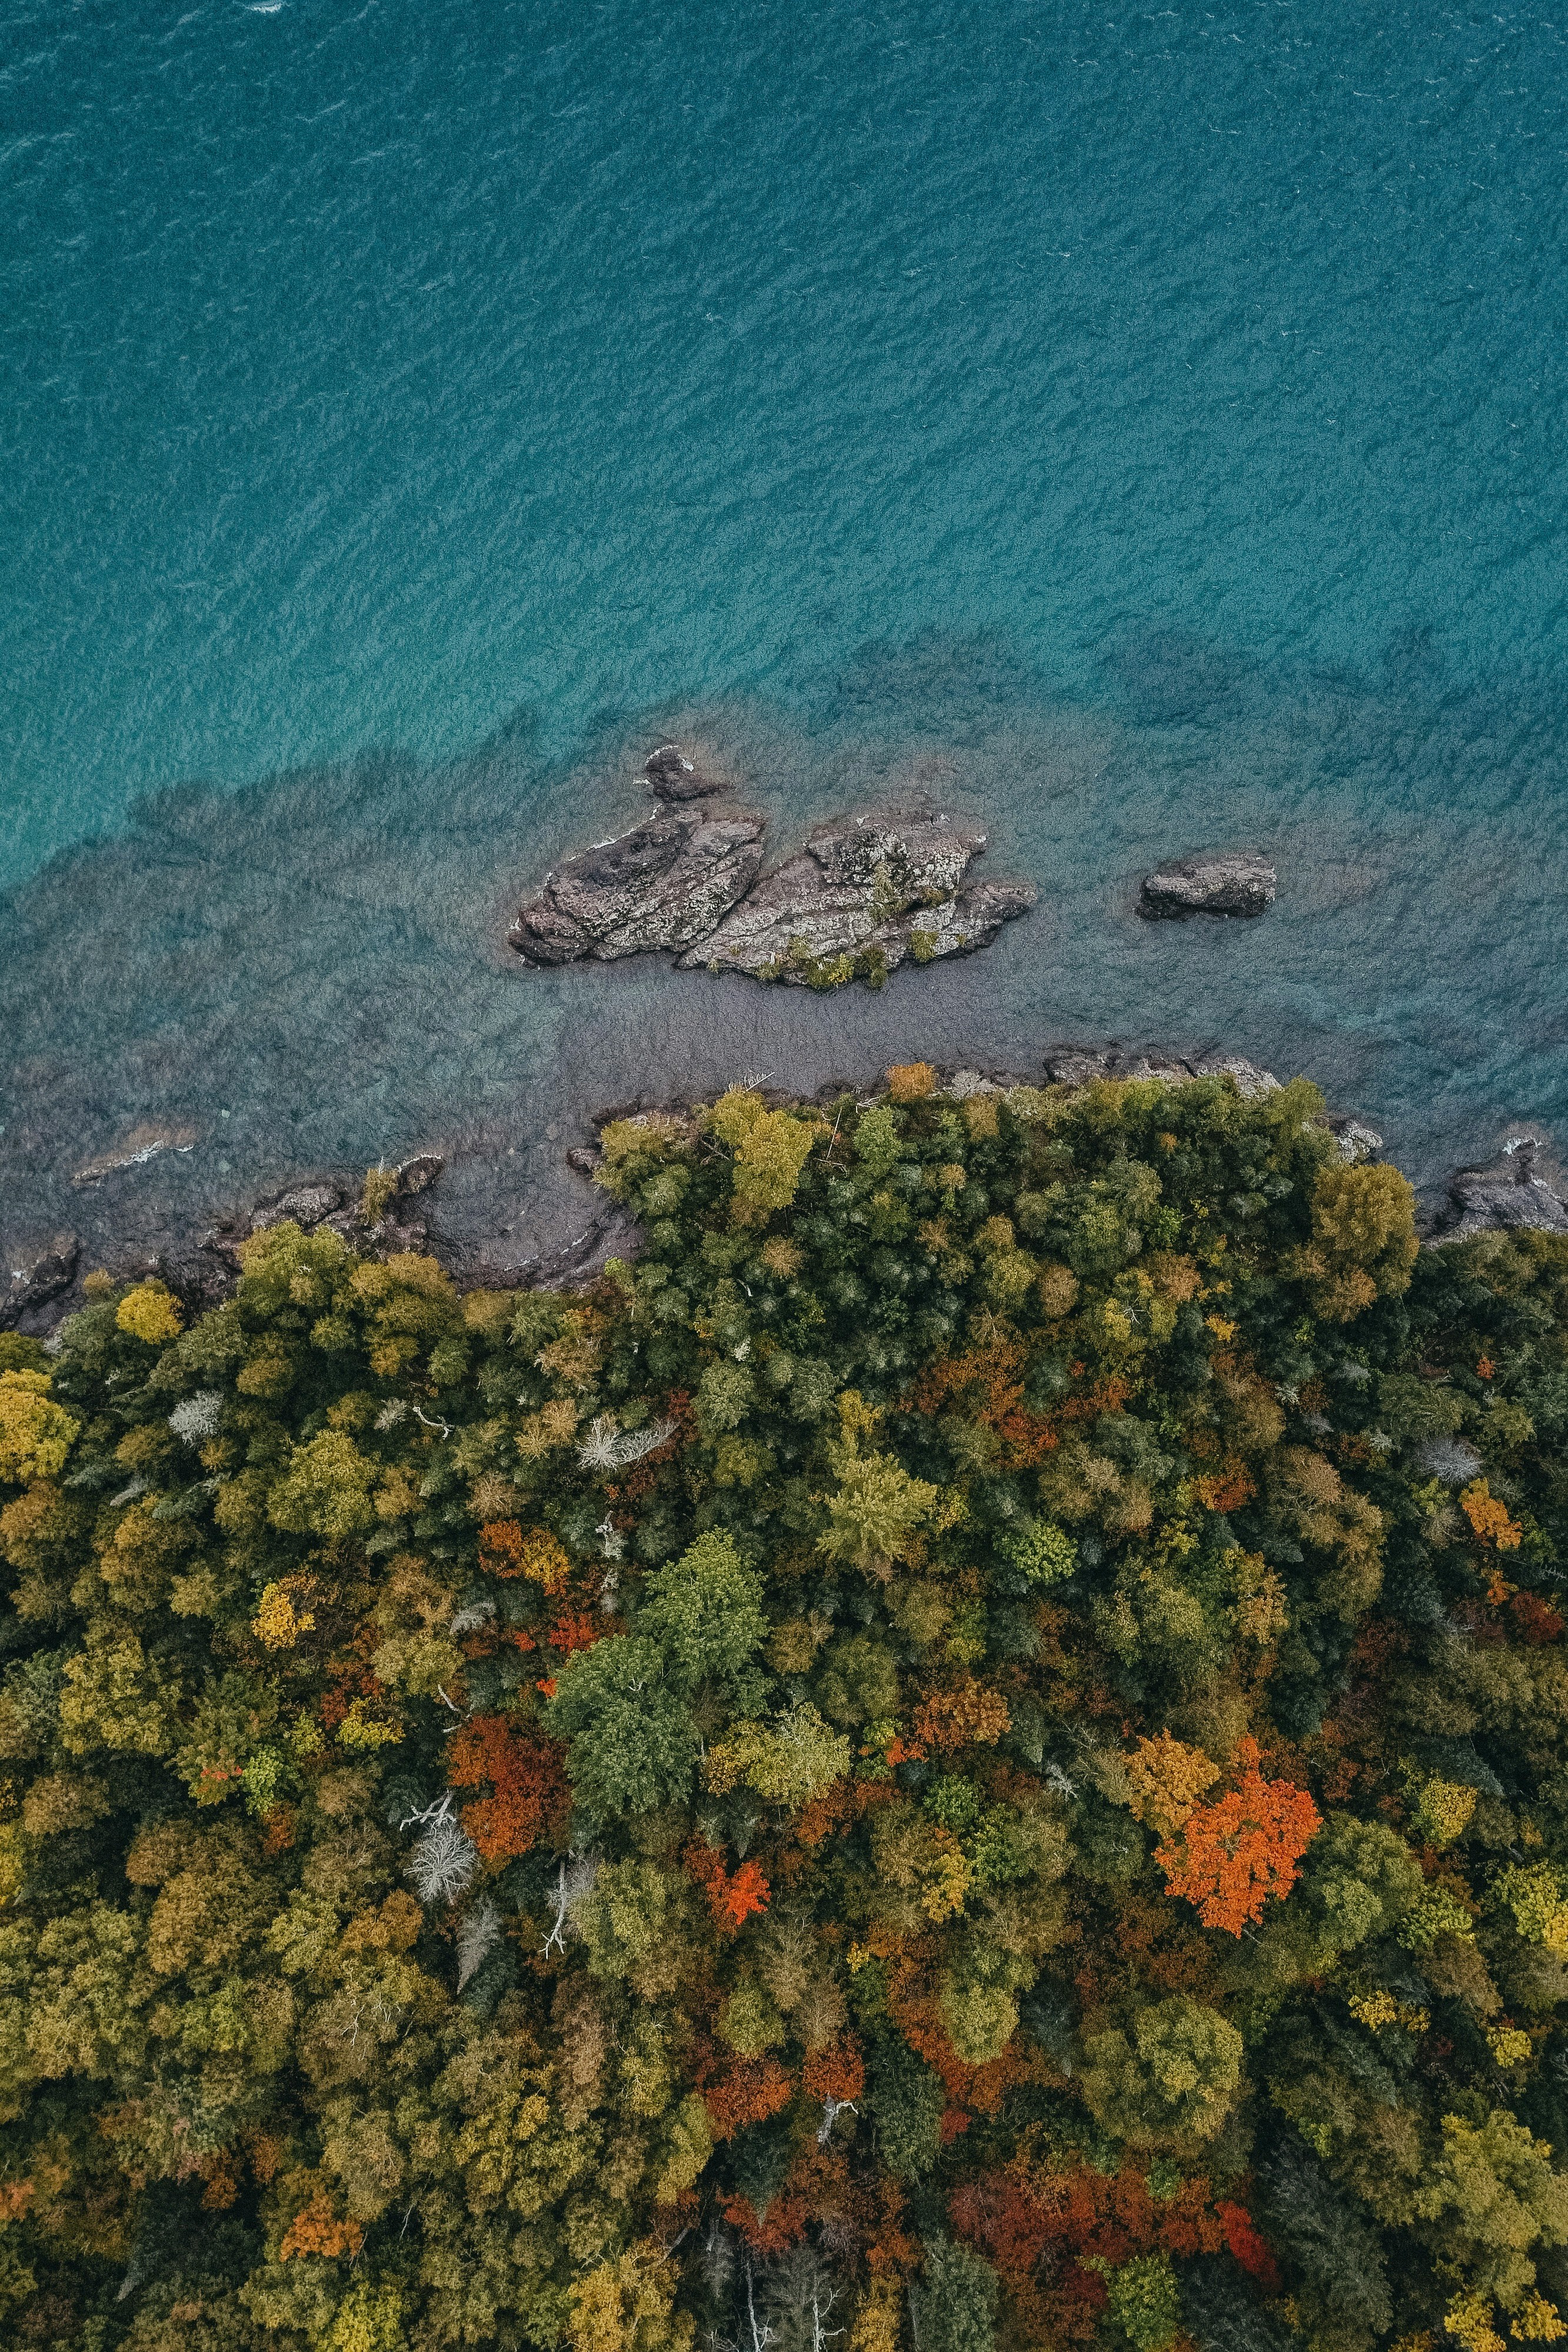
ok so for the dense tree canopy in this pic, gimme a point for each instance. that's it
(972, 1753)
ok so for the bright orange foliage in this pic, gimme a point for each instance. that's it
(1488, 1517)
(745, 1892)
(315, 2230)
(732, 1901)
(1247, 1846)
(524, 1770)
(967, 1716)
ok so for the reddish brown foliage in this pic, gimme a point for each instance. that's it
(966, 1716)
(529, 1791)
(820, 1816)
(575, 1631)
(1536, 1619)
(506, 1550)
(748, 2094)
(315, 2230)
(1087, 2214)
(835, 2072)
(1248, 2247)
(1226, 1489)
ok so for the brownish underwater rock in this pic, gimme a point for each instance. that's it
(1233, 882)
(142, 1143)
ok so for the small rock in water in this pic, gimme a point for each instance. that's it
(417, 1175)
(674, 776)
(1236, 882)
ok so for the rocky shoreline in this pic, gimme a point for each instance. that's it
(395, 1208)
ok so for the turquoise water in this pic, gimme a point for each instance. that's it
(1155, 415)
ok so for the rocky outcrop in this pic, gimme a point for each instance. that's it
(205, 1270)
(1357, 1141)
(665, 883)
(1075, 1066)
(673, 775)
(305, 1205)
(864, 893)
(1236, 882)
(1518, 1188)
(46, 1273)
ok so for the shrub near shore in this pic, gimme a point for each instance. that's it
(972, 1752)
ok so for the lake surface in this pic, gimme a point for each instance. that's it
(1145, 424)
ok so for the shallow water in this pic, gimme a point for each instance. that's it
(1148, 424)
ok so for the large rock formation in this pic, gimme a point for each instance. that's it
(864, 892)
(1236, 882)
(1516, 1188)
(663, 884)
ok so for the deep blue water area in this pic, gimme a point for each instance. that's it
(1148, 423)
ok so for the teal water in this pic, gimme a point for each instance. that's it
(1155, 415)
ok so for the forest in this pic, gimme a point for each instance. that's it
(970, 1754)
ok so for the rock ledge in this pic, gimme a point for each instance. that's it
(1235, 882)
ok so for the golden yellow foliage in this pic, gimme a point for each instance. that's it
(1363, 1244)
(150, 1312)
(36, 1435)
(1445, 1809)
(770, 1149)
(1168, 1780)
(283, 1613)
